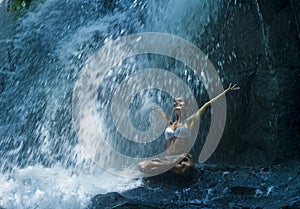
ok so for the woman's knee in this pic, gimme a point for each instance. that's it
(142, 166)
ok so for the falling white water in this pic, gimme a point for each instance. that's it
(41, 163)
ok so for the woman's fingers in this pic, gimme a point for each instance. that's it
(233, 87)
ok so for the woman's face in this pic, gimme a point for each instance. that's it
(179, 105)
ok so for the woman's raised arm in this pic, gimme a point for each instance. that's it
(164, 117)
(191, 120)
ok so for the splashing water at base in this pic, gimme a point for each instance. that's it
(56, 187)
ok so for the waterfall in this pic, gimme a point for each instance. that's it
(42, 162)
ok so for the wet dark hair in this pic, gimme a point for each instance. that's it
(173, 118)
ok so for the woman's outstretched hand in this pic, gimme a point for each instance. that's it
(233, 87)
(191, 120)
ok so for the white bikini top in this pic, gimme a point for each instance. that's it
(180, 132)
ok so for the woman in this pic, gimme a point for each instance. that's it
(178, 136)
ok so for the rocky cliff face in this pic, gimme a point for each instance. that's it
(259, 44)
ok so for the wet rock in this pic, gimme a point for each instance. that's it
(242, 190)
(270, 190)
(293, 203)
(170, 178)
(134, 206)
(136, 198)
(264, 169)
(108, 200)
(260, 46)
(225, 173)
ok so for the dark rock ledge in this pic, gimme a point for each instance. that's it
(213, 186)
